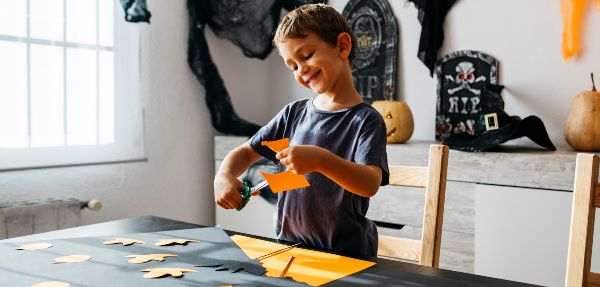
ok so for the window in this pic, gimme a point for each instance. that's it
(69, 75)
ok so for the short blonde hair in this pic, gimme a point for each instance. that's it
(323, 20)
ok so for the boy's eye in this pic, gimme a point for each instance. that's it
(308, 56)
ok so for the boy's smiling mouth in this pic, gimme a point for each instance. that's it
(313, 77)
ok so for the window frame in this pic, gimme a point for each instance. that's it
(128, 145)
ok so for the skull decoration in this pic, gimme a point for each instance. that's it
(465, 76)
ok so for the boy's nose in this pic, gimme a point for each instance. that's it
(304, 69)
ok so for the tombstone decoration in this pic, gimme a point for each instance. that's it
(470, 108)
(376, 33)
(461, 77)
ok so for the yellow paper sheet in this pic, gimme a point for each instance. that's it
(285, 180)
(311, 267)
(277, 145)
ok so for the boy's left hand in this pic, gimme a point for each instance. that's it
(302, 159)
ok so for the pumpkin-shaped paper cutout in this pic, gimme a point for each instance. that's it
(159, 272)
(35, 246)
(286, 180)
(72, 259)
(51, 284)
(143, 258)
(172, 241)
(124, 241)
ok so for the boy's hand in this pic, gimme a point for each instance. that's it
(302, 159)
(227, 189)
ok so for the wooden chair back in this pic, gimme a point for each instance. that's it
(586, 198)
(433, 178)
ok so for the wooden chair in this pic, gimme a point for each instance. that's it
(586, 198)
(433, 178)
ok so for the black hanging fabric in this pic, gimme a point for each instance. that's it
(250, 25)
(431, 16)
(136, 11)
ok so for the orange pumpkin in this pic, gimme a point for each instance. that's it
(398, 120)
(582, 129)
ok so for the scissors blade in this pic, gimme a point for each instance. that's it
(259, 186)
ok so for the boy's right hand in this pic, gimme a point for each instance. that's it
(227, 191)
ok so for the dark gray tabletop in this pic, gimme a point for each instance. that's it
(384, 273)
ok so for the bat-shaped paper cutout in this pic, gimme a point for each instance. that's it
(72, 259)
(51, 284)
(172, 241)
(35, 246)
(143, 258)
(159, 272)
(124, 241)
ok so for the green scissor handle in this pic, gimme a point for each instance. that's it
(245, 195)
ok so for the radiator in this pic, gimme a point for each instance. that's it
(30, 217)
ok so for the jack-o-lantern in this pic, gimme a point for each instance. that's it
(582, 129)
(398, 120)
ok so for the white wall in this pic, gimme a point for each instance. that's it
(176, 182)
(524, 36)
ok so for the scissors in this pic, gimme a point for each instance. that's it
(247, 192)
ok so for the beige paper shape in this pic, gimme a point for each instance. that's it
(277, 145)
(312, 267)
(159, 272)
(51, 284)
(124, 241)
(35, 246)
(72, 259)
(170, 241)
(143, 258)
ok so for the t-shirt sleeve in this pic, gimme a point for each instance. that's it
(371, 149)
(273, 130)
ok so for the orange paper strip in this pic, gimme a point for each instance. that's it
(312, 267)
(285, 181)
(277, 145)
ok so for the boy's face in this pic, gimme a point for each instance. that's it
(316, 64)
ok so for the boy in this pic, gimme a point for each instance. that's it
(336, 140)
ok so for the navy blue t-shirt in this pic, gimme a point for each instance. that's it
(324, 214)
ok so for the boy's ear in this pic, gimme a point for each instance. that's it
(344, 44)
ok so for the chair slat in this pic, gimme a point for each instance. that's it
(411, 176)
(399, 248)
(582, 221)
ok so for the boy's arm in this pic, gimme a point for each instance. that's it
(226, 183)
(360, 179)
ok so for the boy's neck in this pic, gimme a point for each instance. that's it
(344, 95)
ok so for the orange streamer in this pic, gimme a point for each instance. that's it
(572, 15)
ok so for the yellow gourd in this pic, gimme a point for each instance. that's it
(398, 120)
(582, 129)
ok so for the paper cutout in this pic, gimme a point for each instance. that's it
(285, 180)
(72, 259)
(159, 272)
(277, 145)
(312, 267)
(35, 246)
(51, 284)
(172, 241)
(124, 241)
(143, 258)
